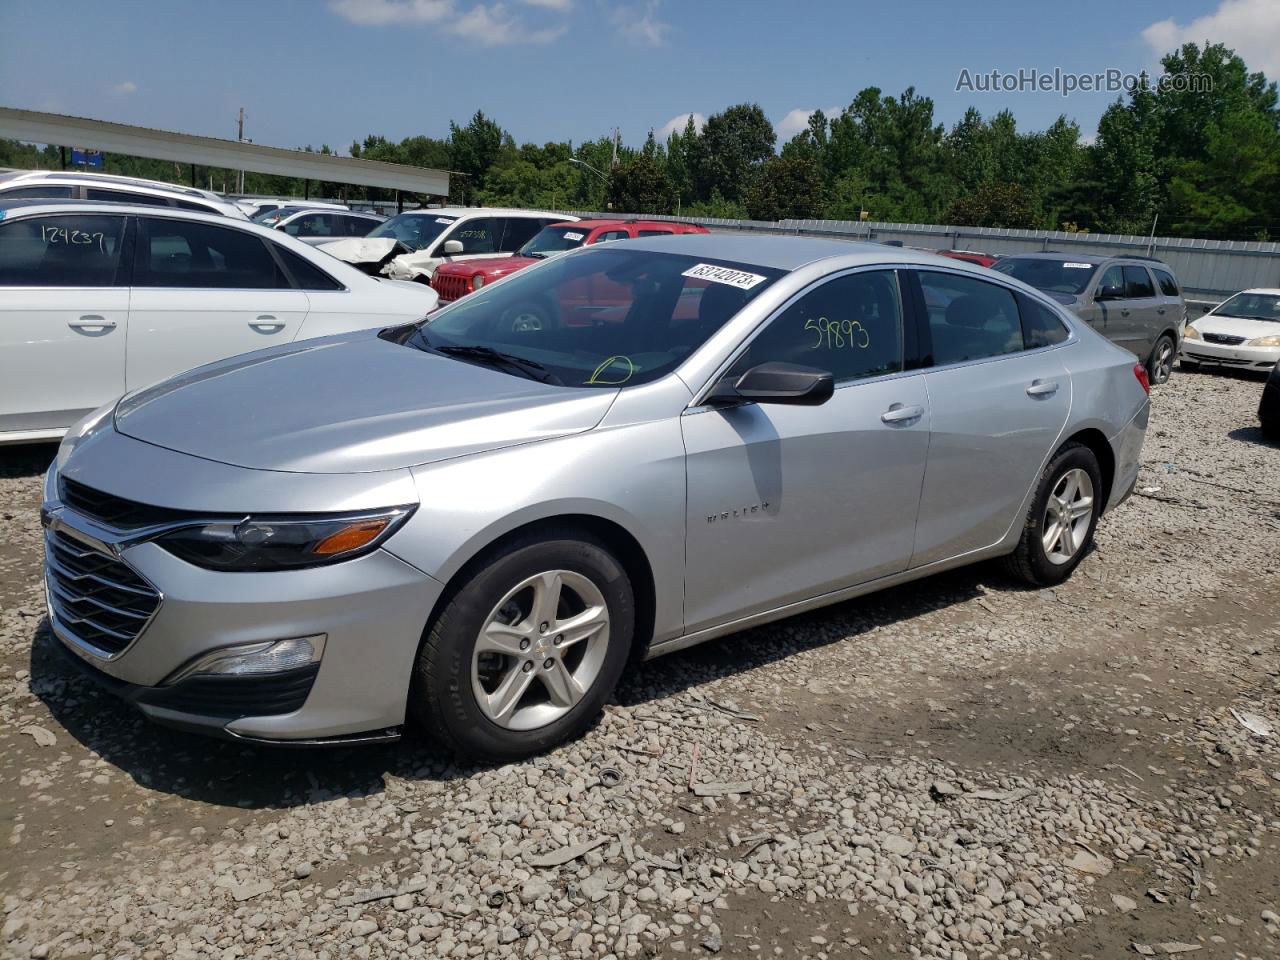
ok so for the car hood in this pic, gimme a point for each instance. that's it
(348, 404)
(491, 268)
(361, 249)
(1236, 326)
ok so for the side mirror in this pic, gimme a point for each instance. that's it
(777, 382)
(452, 248)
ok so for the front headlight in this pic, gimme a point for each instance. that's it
(1264, 342)
(1191, 333)
(284, 543)
(477, 282)
(83, 430)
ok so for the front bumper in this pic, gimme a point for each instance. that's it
(1240, 356)
(372, 611)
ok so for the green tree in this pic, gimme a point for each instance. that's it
(732, 147)
(473, 149)
(641, 185)
(994, 205)
(788, 187)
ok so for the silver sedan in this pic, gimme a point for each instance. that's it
(480, 520)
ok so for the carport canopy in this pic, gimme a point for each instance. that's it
(52, 128)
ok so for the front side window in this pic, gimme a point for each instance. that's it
(417, 231)
(655, 233)
(61, 251)
(969, 319)
(1112, 283)
(851, 327)
(185, 253)
(358, 226)
(610, 235)
(606, 317)
(312, 225)
(1168, 286)
(1137, 283)
(477, 236)
(1052, 276)
(124, 196)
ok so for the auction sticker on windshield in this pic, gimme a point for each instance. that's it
(1077, 266)
(572, 236)
(734, 278)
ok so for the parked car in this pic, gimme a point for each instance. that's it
(1242, 332)
(252, 206)
(971, 256)
(318, 227)
(457, 279)
(411, 245)
(1269, 406)
(481, 525)
(70, 185)
(103, 298)
(1132, 301)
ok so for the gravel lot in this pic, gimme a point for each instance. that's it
(958, 768)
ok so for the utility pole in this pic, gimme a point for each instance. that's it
(240, 139)
(616, 136)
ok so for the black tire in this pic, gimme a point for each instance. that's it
(1188, 366)
(1160, 363)
(1030, 561)
(441, 695)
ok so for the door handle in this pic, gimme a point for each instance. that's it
(1160, 310)
(1124, 313)
(900, 414)
(1042, 388)
(267, 324)
(92, 323)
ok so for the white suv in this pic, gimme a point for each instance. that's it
(72, 185)
(411, 245)
(98, 299)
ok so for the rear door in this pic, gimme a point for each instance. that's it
(201, 293)
(316, 228)
(1143, 322)
(999, 396)
(64, 310)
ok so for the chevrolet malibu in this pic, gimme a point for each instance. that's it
(480, 522)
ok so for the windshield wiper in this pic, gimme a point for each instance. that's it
(529, 368)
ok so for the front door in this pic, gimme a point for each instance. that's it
(64, 311)
(201, 293)
(786, 503)
(999, 396)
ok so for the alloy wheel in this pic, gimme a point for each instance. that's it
(540, 650)
(1067, 516)
(1164, 362)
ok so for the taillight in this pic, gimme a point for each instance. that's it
(1140, 372)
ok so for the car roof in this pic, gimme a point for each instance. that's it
(73, 205)
(1268, 291)
(791, 252)
(110, 179)
(491, 212)
(591, 223)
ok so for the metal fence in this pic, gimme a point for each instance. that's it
(1209, 270)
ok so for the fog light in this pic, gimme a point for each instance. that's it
(254, 659)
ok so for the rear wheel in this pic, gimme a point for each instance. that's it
(1160, 363)
(527, 651)
(1060, 523)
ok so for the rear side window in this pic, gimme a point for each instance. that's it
(1168, 286)
(969, 319)
(1137, 283)
(655, 233)
(178, 253)
(306, 275)
(124, 196)
(1040, 325)
(61, 251)
(313, 225)
(19, 192)
(519, 231)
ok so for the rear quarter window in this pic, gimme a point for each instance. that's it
(1041, 327)
(1168, 286)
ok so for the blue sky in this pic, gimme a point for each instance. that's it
(328, 71)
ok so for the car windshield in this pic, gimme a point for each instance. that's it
(415, 230)
(555, 239)
(1052, 276)
(605, 317)
(1253, 306)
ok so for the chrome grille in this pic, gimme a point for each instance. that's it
(97, 599)
(1222, 338)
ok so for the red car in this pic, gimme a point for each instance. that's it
(457, 279)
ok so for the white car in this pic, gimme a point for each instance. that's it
(1242, 332)
(73, 185)
(101, 299)
(252, 206)
(411, 245)
(318, 227)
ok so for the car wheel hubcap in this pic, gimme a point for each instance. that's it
(1164, 363)
(540, 650)
(1067, 516)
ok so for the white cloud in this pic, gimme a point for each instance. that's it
(124, 88)
(1250, 27)
(679, 122)
(639, 23)
(797, 120)
(490, 25)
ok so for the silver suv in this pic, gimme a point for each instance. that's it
(1132, 301)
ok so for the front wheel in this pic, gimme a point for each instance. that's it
(1060, 523)
(1160, 363)
(527, 651)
